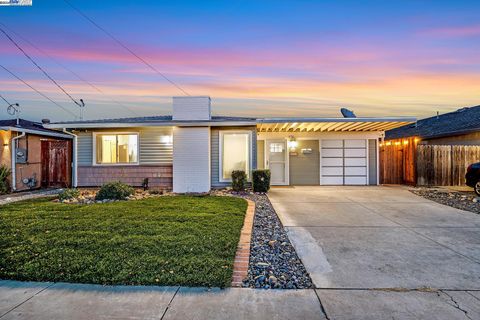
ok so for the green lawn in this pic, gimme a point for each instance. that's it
(177, 240)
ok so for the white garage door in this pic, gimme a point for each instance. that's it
(344, 162)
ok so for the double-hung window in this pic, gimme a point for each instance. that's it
(235, 153)
(116, 148)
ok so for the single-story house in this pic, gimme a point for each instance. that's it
(460, 127)
(193, 151)
(37, 157)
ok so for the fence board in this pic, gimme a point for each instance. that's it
(441, 165)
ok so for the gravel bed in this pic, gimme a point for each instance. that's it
(274, 264)
(468, 201)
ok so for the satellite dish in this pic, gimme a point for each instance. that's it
(347, 113)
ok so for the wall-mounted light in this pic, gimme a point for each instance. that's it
(166, 139)
(5, 144)
(292, 143)
(405, 142)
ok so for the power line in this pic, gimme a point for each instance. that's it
(69, 70)
(80, 104)
(8, 103)
(125, 47)
(40, 93)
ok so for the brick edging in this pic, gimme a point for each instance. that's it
(242, 257)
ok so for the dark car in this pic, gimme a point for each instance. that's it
(472, 177)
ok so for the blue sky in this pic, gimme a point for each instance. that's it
(260, 58)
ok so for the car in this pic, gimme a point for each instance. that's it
(472, 177)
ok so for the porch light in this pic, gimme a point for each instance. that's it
(405, 142)
(292, 143)
(397, 143)
(388, 143)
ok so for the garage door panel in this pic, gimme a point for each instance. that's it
(355, 143)
(355, 180)
(355, 171)
(355, 153)
(332, 171)
(332, 180)
(332, 143)
(355, 162)
(332, 162)
(329, 153)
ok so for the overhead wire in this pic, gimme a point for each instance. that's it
(111, 36)
(69, 70)
(37, 91)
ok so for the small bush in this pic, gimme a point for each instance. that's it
(68, 194)
(114, 191)
(261, 180)
(4, 184)
(239, 179)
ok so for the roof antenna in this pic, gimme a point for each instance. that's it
(347, 113)
(14, 110)
(81, 104)
(438, 114)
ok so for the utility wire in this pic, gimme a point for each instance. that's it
(8, 103)
(81, 105)
(40, 93)
(68, 69)
(125, 47)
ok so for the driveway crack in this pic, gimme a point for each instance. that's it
(169, 303)
(321, 305)
(456, 305)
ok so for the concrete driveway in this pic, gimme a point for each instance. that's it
(364, 246)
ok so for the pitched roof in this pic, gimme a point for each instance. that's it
(155, 119)
(461, 121)
(33, 127)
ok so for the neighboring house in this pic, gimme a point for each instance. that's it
(193, 151)
(37, 157)
(460, 127)
(432, 151)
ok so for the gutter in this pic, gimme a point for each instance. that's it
(14, 159)
(37, 132)
(96, 125)
(74, 157)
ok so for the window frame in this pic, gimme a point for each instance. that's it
(94, 147)
(220, 153)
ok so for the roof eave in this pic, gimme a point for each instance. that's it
(38, 132)
(148, 124)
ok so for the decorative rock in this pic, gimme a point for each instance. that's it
(460, 200)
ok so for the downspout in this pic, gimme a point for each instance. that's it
(14, 160)
(74, 157)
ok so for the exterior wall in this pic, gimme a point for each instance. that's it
(191, 108)
(155, 159)
(191, 159)
(305, 168)
(298, 172)
(260, 154)
(465, 140)
(372, 162)
(5, 151)
(215, 152)
(155, 145)
(158, 176)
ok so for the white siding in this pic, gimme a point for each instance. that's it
(191, 108)
(191, 159)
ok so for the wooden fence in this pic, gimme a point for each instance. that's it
(444, 165)
(404, 161)
(397, 161)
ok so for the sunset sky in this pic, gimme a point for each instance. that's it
(254, 58)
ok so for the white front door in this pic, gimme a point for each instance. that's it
(276, 160)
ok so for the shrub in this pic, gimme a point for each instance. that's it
(68, 194)
(239, 179)
(261, 180)
(114, 191)
(4, 184)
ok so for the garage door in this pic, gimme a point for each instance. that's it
(344, 162)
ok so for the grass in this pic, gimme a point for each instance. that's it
(178, 240)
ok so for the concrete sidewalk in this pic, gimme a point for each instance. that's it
(42, 301)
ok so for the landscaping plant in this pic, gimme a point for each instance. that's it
(261, 180)
(4, 184)
(114, 191)
(239, 180)
(68, 194)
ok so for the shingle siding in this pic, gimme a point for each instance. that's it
(215, 152)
